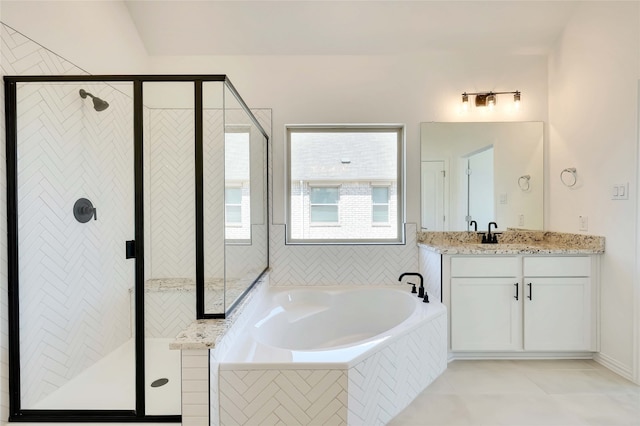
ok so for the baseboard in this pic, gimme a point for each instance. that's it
(613, 365)
(519, 355)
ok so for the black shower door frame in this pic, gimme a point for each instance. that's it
(17, 414)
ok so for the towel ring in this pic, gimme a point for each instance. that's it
(571, 180)
(523, 182)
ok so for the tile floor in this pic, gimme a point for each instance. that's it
(514, 393)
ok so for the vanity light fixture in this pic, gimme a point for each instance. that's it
(489, 99)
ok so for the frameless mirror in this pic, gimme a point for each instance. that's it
(487, 172)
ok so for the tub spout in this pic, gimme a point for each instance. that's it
(421, 289)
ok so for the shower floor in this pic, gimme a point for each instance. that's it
(109, 384)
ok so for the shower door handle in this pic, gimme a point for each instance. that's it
(130, 251)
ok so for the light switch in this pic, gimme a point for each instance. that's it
(520, 220)
(620, 191)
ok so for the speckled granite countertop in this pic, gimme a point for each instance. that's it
(512, 241)
(205, 334)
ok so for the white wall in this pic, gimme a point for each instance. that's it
(593, 80)
(97, 36)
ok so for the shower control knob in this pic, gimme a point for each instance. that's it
(84, 211)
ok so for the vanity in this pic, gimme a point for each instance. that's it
(534, 294)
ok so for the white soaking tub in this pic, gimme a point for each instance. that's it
(331, 355)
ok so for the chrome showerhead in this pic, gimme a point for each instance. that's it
(98, 104)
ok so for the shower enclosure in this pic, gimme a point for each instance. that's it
(136, 204)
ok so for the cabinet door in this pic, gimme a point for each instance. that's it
(557, 314)
(485, 315)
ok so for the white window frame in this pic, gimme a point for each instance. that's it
(400, 180)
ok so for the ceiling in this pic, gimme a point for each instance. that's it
(363, 27)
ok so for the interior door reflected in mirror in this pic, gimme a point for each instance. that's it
(472, 171)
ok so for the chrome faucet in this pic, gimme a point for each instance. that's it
(421, 292)
(490, 239)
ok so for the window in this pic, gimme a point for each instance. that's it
(380, 204)
(344, 184)
(324, 204)
(233, 205)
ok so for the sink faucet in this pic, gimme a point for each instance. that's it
(475, 225)
(421, 292)
(490, 239)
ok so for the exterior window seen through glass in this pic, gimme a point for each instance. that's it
(380, 204)
(324, 204)
(233, 205)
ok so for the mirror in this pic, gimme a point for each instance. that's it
(487, 172)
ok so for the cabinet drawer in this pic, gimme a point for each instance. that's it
(570, 266)
(484, 266)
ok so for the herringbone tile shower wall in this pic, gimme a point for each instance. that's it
(172, 198)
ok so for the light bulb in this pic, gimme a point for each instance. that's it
(516, 100)
(465, 101)
(491, 101)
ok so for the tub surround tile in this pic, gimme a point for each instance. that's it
(512, 241)
(301, 397)
(371, 392)
(384, 384)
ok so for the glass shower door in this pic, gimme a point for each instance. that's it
(75, 212)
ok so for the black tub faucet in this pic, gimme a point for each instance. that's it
(421, 292)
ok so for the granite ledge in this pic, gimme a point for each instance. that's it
(206, 333)
(511, 242)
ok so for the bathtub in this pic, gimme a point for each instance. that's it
(331, 355)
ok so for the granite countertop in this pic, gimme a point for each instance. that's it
(512, 241)
(205, 334)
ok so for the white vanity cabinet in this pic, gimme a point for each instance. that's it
(485, 315)
(520, 303)
(558, 314)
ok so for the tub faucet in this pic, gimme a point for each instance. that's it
(421, 290)
(490, 239)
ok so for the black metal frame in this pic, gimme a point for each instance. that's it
(17, 414)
